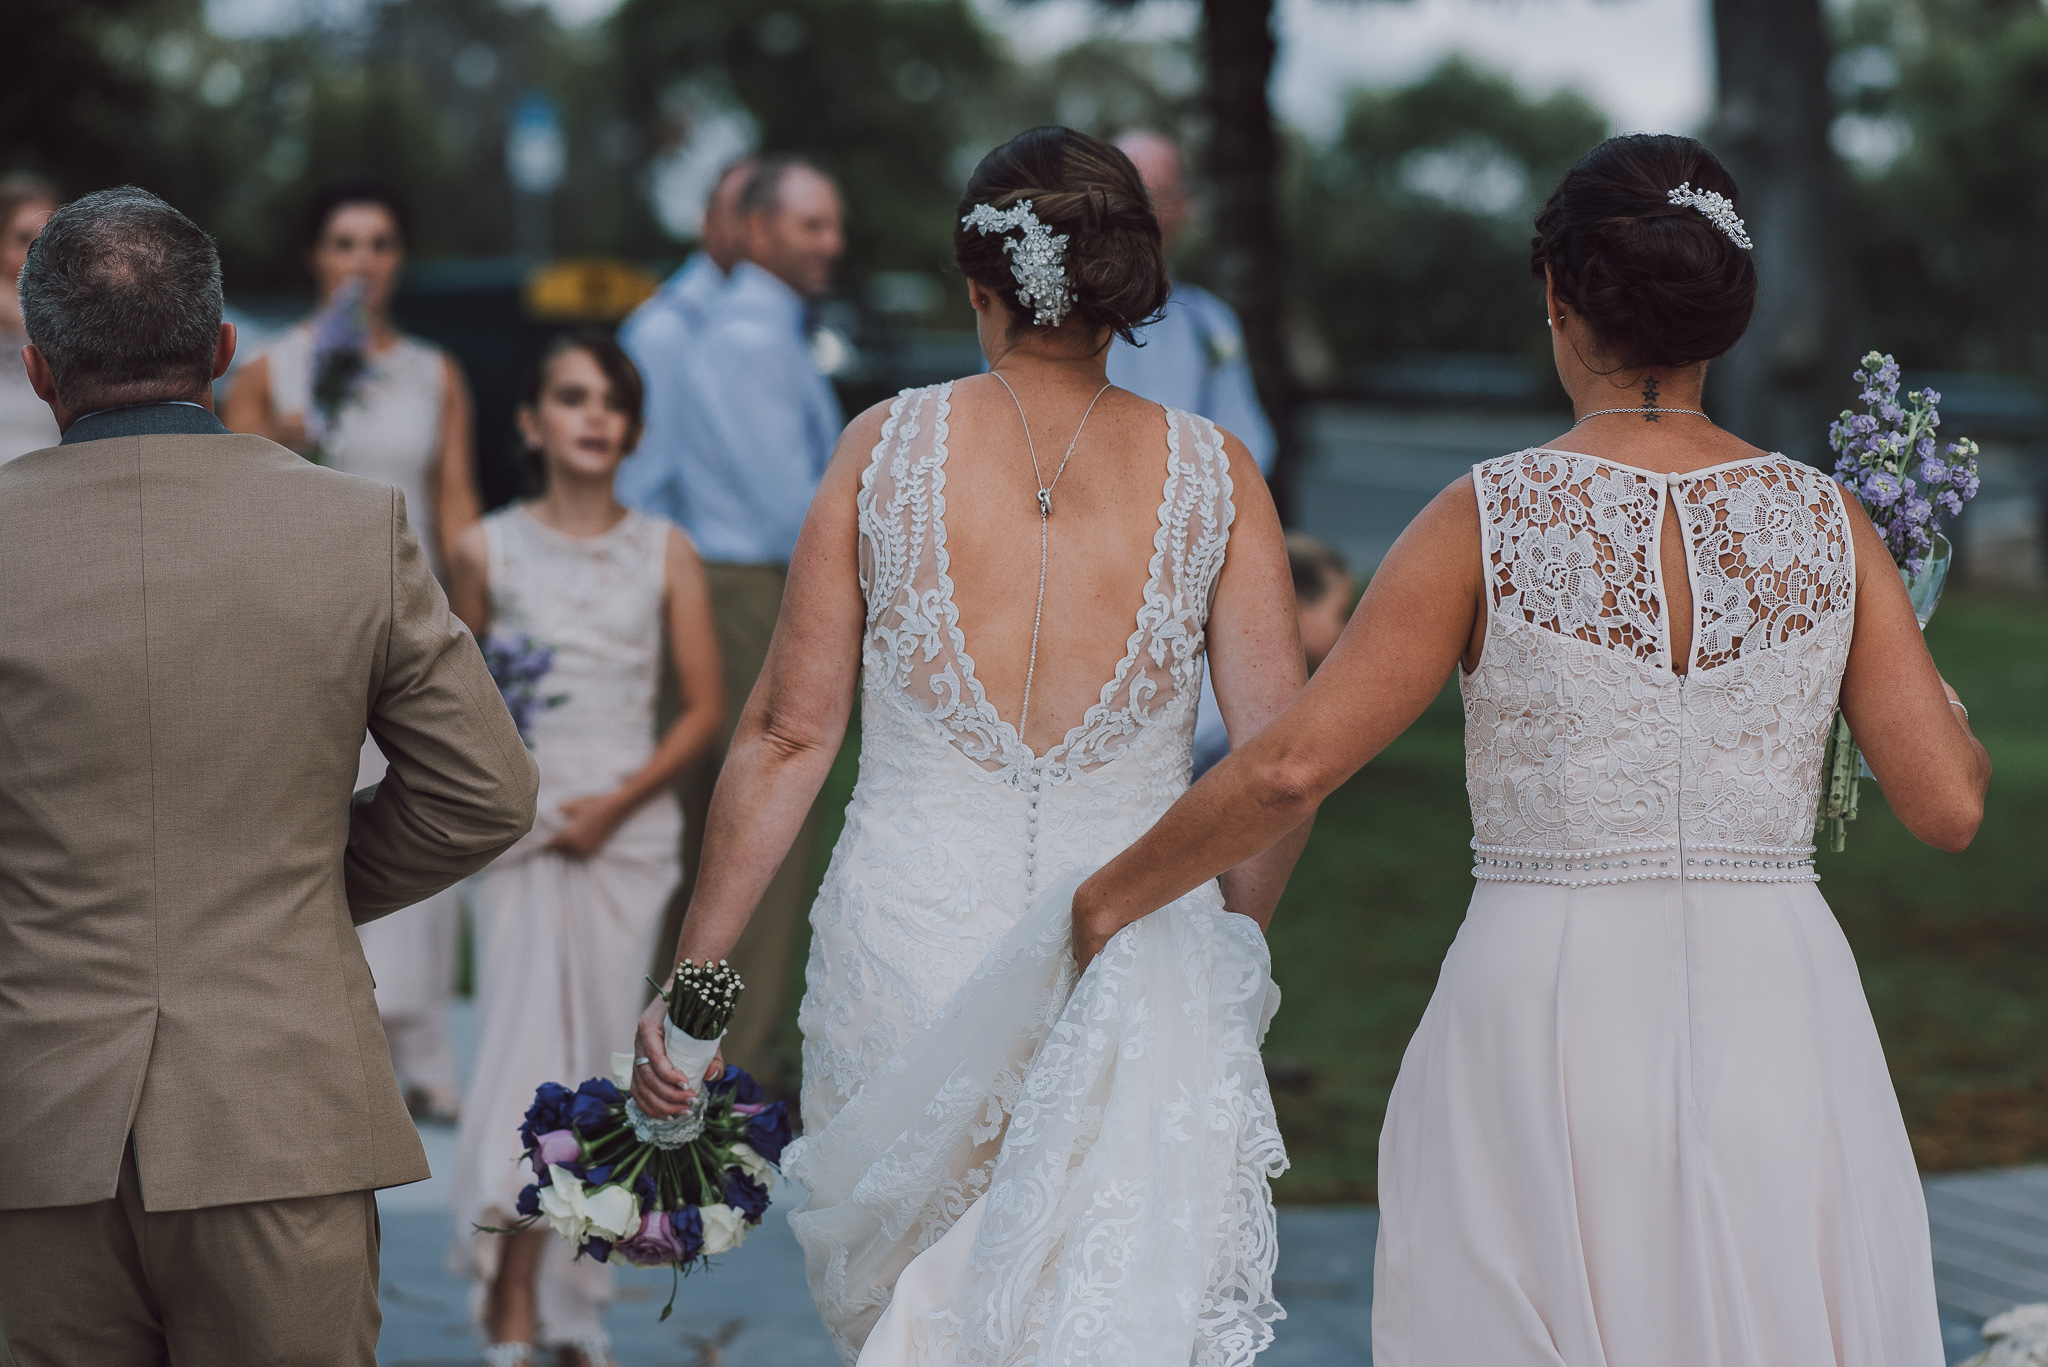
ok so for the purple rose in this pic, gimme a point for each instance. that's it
(556, 1146)
(549, 1111)
(594, 1106)
(656, 1242)
(768, 1132)
(745, 1195)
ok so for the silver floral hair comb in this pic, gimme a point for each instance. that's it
(1718, 210)
(1037, 260)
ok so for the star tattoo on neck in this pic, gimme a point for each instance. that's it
(1650, 399)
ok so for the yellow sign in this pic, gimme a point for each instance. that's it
(594, 291)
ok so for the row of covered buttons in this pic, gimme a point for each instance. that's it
(1031, 832)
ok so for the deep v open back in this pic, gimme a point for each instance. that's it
(955, 824)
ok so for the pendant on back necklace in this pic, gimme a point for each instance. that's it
(1044, 517)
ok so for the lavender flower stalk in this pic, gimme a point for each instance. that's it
(341, 359)
(1888, 457)
(518, 663)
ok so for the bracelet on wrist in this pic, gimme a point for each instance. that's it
(1958, 702)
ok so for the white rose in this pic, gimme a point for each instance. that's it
(562, 1202)
(613, 1211)
(725, 1228)
(754, 1166)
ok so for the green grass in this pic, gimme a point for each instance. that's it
(1953, 948)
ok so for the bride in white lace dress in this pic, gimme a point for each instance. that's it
(1022, 573)
(1645, 1118)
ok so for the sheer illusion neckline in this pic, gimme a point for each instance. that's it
(1013, 740)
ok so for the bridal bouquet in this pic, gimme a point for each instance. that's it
(624, 1187)
(1889, 458)
(341, 358)
(518, 663)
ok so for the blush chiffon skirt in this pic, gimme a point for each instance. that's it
(1650, 1125)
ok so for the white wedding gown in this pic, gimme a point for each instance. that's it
(1008, 1165)
(1646, 1118)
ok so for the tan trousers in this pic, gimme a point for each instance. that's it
(282, 1283)
(745, 600)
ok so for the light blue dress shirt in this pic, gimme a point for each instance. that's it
(659, 336)
(757, 426)
(1193, 359)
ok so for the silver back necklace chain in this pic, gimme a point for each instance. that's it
(1044, 517)
(1650, 413)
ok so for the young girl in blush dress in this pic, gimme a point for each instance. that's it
(565, 920)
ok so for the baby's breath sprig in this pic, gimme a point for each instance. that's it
(701, 997)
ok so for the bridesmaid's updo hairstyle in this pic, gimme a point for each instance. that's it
(1088, 190)
(618, 370)
(1659, 283)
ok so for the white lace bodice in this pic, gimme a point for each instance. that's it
(1588, 758)
(954, 824)
(598, 601)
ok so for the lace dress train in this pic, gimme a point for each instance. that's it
(1009, 1162)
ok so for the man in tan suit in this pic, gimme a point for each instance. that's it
(195, 629)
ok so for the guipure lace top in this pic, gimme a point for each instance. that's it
(1588, 758)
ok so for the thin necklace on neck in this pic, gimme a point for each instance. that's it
(1044, 517)
(1648, 412)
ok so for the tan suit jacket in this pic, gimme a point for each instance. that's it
(195, 628)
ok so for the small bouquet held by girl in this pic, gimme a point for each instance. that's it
(624, 1187)
(1888, 457)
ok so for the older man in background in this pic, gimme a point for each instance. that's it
(661, 336)
(759, 429)
(1192, 357)
(195, 629)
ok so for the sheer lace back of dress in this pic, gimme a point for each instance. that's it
(914, 642)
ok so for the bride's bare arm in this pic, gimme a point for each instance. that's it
(1934, 772)
(1415, 621)
(1255, 661)
(785, 743)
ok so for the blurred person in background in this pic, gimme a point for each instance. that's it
(348, 389)
(1322, 603)
(755, 441)
(26, 203)
(1192, 356)
(660, 336)
(566, 919)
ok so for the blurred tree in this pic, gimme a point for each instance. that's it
(67, 103)
(1410, 231)
(1786, 379)
(1945, 127)
(886, 95)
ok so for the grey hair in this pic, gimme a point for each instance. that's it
(122, 295)
(763, 192)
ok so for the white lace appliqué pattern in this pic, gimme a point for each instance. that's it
(1589, 759)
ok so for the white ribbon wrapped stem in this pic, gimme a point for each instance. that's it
(692, 1056)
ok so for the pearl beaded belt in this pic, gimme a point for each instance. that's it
(1634, 863)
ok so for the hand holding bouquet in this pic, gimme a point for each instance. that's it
(1888, 457)
(518, 663)
(341, 360)
(627, 1188)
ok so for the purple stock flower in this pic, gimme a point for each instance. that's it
(1918, 512)
(1950, 502)
(1881, 488)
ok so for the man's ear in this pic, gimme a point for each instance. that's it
(40, 376)
(224, 350)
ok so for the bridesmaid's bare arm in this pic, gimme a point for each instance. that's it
(1417, 618)
(1934, 772)
(249, 408)
(1255, 661)
(458, 505)
(469, 581)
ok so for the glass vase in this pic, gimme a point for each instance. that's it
(1924, 589)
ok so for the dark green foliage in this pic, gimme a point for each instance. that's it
(1411, 231)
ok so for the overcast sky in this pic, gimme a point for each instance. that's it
(1648, 63)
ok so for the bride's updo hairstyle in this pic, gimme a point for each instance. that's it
(1088, 190)
(1660, 284)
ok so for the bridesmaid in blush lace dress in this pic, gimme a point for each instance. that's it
(1645, 1118)
(565, 920)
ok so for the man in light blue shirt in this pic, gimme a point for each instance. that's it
(1193, 357)
(660, 336)
(757, 428)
